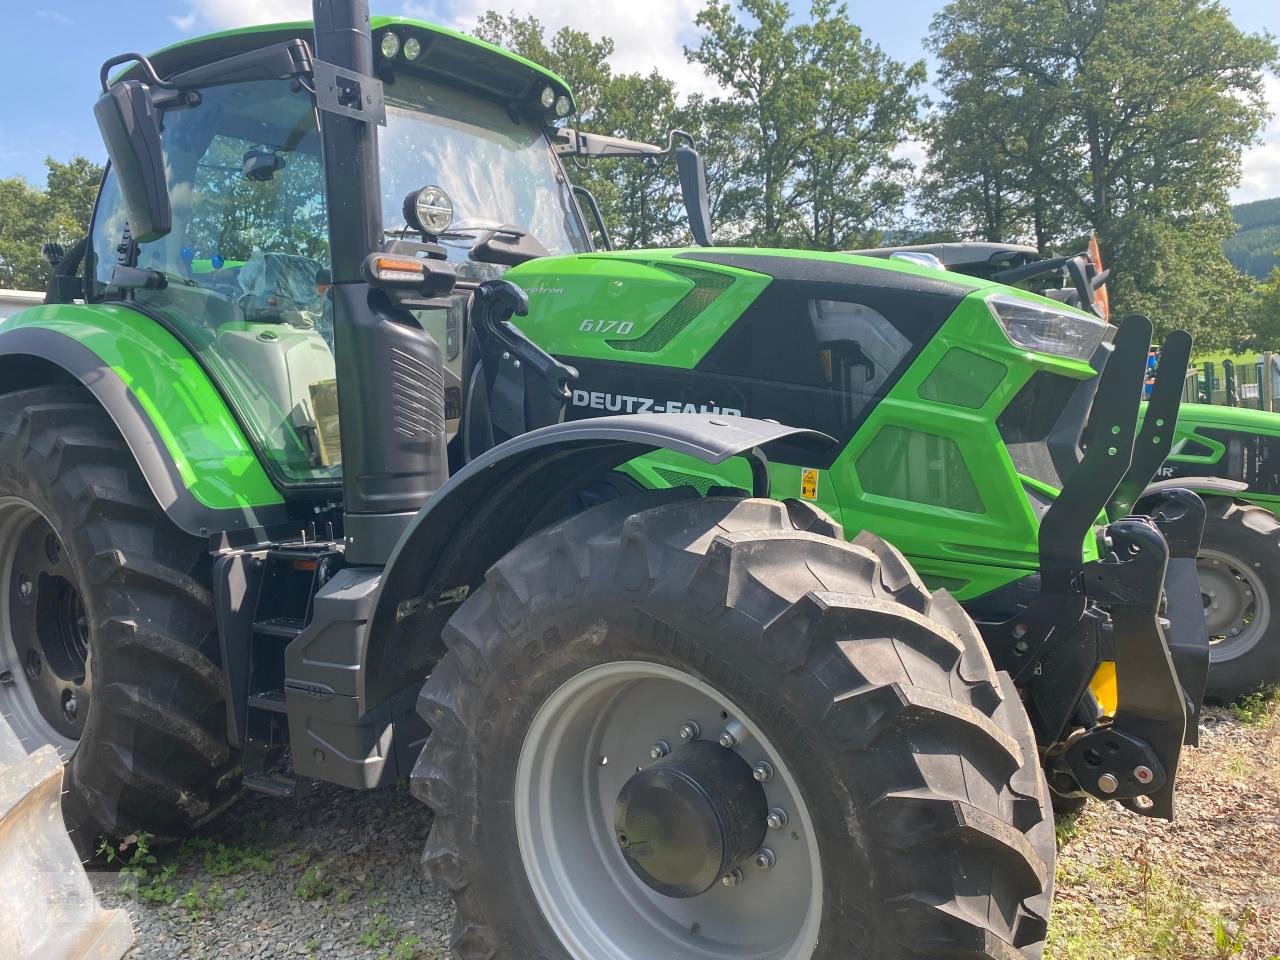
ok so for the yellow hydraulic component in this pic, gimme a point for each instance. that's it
(1103, 686)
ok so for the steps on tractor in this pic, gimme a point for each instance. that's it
(265, 601)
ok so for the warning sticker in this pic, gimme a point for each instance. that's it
(809, 483)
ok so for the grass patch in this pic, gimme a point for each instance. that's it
(1125, 907)
(313, 884)
(1257, 708)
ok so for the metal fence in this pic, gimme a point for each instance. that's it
(1255, 385)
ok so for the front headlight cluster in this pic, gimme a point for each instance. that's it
(1047, 330)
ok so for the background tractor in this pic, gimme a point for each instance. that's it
(1227, 455)
(285, 496)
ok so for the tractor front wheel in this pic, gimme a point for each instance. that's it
(675, 726)
(1239, 569)
(108, 644)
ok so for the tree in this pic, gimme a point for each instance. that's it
(31, 216)
(639, 200)
(1124, 116)
(823, 110)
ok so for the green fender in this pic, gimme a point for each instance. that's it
(194, 454)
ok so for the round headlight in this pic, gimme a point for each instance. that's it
(390, 45)
(548, 98)
(428, 210)
(562, 106)
(412, 48)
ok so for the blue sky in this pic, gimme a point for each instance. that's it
(52, 49)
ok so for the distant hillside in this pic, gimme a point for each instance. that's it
(1253, 248)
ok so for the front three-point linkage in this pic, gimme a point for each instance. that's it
(1054, 645)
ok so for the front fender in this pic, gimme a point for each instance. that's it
(200, 467)
(504, 495)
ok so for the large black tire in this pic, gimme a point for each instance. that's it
(1239, 564)
(150, 752)
(913, 756)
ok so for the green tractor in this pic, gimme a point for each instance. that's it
(286, 496)
(1222, 453)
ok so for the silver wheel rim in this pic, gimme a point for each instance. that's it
(28, 673)
(1236, 608)
(564, 797)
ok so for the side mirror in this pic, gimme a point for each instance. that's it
(693, 186)
(130, 127)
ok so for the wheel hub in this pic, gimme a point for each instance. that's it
(682, 823)
(1236, 610)
(43, 631)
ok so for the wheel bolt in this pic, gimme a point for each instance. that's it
(69, 705)
(659, 750)
(1143, 774)
(763, 771)
(734, 734)
(732, 878)
(624, 841)
(25, 588)
(764, 858)
(689, 730)
(777, 818)
(1108, 783)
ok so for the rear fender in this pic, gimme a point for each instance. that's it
(189, 446)
(511, 491)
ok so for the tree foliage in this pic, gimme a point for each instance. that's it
(799, 149)
(1255, 246)
(822, 111)
(31, 216)
(1127, 117)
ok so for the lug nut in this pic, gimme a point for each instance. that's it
(1108, 783)
(689, 730)
(70, 706)
(764, 858)
(25, 588)
(1143, 774)
(624, 841)
(762, 771)
(659, 750)
(732, 878)
(777, 818)
(734, 735)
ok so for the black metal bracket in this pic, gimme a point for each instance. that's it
(1018, 644)
(1156, 437)
(1129, 583)
(1180, 515)
(348, 93)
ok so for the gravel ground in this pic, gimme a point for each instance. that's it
(336, 874)
(1132, 887)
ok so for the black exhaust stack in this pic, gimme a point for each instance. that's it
(389, 371)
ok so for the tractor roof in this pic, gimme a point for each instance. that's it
(447, 56)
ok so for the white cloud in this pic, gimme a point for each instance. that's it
(53, 16)
(647, 34)
(1260, 169)
(204, 16)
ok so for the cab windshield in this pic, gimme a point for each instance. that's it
(497, 167)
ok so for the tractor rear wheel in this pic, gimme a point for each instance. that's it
(1239, 569)
(108, 645)
(675, 726)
